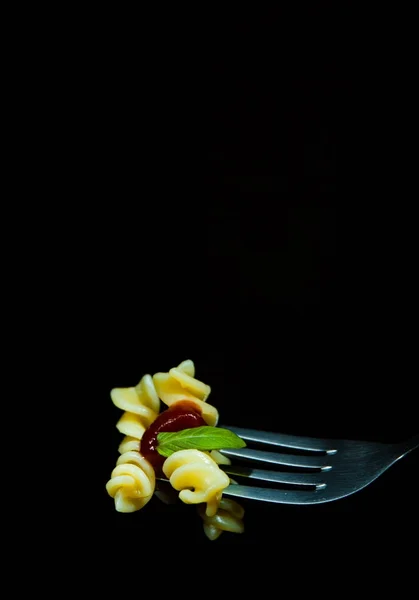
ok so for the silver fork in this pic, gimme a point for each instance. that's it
(330, 469)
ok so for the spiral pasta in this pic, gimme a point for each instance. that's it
(180, 384)
(227, 518)
(194, 474)
(141, 405)
(219, 458)
(198, 477)
(133, 480)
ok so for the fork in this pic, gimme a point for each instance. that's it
(329, 469)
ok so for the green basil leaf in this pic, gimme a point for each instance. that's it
(197, 438)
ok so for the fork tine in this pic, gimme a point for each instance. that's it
(285, 460)
(282, 439)
(275, 476)
(276, 496)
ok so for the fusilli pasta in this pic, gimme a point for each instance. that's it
(194, 474)
(219, 458)
(198, 477)
(180, 384)
(141, 401)
(227, 518)
(133, 480)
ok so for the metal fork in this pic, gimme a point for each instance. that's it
(329, 469)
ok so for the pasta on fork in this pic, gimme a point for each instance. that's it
(179, 384)
(181, 442)
(229, 517)
(133, 480)
(198, 477)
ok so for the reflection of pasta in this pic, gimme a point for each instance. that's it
(198, 477)
(227, 518)
(180, 384)
(133, 480)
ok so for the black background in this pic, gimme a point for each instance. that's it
(222, 234)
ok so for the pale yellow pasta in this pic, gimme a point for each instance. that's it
(141, 400)
(194, 474)
(219, 458)
(141, 405)
(227, 518)
(132, 482)
(198, 478)
(180, 384)
(128, 443)
(131, 425)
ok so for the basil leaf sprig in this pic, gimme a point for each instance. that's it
(197, 438)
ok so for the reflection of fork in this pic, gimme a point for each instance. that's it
(320, 471)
